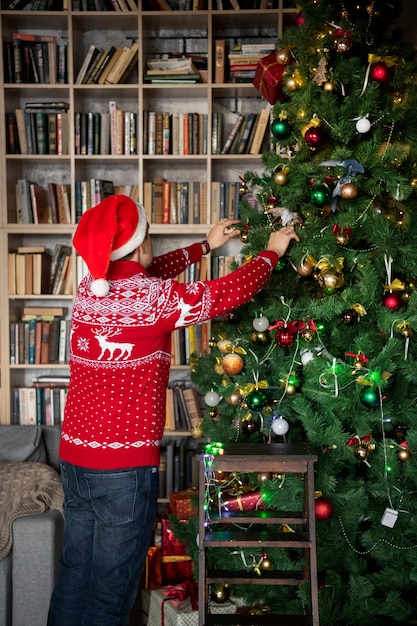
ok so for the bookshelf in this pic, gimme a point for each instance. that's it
(77, 28)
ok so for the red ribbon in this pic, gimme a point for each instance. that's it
(310, 324)
(292, 326)
(338, 229)
(187, 589)
(343, 33)
(361, 357)
(355, 441)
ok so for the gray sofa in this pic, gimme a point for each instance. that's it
(28, 573)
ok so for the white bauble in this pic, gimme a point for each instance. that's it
(212, 398)
(280, 426)
(260, 324)
(306, 356)
(363, 125)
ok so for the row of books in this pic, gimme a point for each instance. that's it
(30, 58)
(33, 270)
(112, 132)
(88, 193)
(222, 264)
(110, 66)
(188, 343)
(42, 204)
(39, 128)
(43, 403)
(40, 338)
(104, 5)
(178, 133)
(170, 202)
(178, 469)
(247, 133)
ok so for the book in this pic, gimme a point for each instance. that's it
(220, 59)
(193, 405)
(40, 207)
(64, 209)
(233, 133)
(21, 130)
(109, 53)
(260, 130)
(109, 66)
(23, 189)
(92, 53)
(247, 128)
(41, 273)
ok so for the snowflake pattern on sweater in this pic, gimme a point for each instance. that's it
(120, 353)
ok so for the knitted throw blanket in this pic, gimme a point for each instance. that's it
(25, 489)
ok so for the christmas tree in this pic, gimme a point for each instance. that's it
(326, 353)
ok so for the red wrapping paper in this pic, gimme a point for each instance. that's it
(268, 78)
(177, 566)
(183, 503)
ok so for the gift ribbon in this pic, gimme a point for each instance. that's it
(176, 558)
(292, 326)
(181, 592)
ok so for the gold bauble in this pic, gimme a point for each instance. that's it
(290, 389)
(330, 280)
(225, 346)
(349, 191)
(404, 454)
(280, 177)
(218, 368)
(220, 593)
(328, 85)
(197, 431)
(343, 45)
(234, 399)
(233, 364)
(263, 476)
(284, 56)
(342, 238)
(304, 269)
(362, 452)
(266, 563)
(308, 334)
(291, 84)
(244, 236)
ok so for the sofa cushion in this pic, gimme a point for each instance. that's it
(22, 443)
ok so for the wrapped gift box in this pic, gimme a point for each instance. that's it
(177, 566)
(183, 503)
(166, 610)
(162, 609)
(268, 78)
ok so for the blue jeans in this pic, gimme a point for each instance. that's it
(109, 519)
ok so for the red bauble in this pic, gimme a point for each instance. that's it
(284, 336)
(393, 300)
(315, 136)
(324, 508)
(381, 73)
(299, 19)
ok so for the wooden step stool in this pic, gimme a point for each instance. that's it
(259, 458)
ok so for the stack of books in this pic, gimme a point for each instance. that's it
(172, 70)
(243, 61)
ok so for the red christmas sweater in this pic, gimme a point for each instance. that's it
(120, 353)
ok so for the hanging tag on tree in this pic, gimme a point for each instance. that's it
(389, 518)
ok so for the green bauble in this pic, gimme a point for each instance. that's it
(320, 195)
(369, 397)
(256, 400)
(280, 128)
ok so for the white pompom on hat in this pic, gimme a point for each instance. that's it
(107, 232)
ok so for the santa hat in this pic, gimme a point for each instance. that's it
(109, 231)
